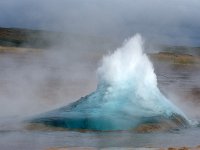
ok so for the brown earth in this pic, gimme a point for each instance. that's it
(124, 148)
(9, 49)
(176, 58)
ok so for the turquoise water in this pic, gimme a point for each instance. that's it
(127, 96)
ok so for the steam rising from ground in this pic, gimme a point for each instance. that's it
(34, 82)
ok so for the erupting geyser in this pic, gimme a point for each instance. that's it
(126, 96)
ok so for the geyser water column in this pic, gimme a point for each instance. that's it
(126, 96)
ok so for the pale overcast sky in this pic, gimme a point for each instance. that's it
(167, 19)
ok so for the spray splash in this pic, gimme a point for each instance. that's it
(126, 96)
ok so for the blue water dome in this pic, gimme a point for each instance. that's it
(126, 97)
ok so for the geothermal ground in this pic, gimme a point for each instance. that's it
(34, 80)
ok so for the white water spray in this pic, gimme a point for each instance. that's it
(129, 72)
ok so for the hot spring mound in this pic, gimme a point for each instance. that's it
(82, 115)
(126, 98)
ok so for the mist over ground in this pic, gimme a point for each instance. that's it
(38, 81)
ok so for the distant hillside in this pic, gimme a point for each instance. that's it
(27, 38)
(14, 37)
(181, 49)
